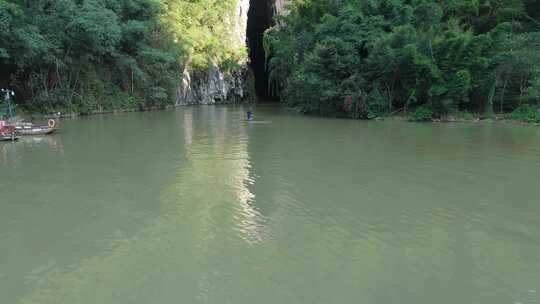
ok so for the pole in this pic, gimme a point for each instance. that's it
(10, 112)
(7, 97)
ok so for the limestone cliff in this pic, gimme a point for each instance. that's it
(213, 86)
(216, 85)
(279, 6)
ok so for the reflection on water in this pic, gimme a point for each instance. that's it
(229, 145)
(209, 191)
(52, 142)
(199, 206)
(10, 151)
(7, 152)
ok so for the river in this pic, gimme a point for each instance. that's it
(196, 205)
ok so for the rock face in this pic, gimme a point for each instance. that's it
(279, 6)
(215, 85)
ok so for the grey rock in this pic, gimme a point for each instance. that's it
(212, 87)
(215, 85)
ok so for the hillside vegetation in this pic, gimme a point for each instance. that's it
(92, 55)
(364, 58)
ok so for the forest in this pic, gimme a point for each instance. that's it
(85, 56)
(431, 59)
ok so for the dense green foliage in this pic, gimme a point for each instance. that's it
(422, 113)
(397, 55)
(526, 113)
(91, 55)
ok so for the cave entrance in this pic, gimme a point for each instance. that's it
(259, 19)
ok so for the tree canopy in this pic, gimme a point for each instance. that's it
(88, 55)
(366, 57)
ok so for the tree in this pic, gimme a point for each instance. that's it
(88, 55)
(393, 55)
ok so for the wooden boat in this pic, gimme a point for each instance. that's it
(10, 128)
(26, 128)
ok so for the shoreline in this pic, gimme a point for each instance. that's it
(504, 118)
(453, 119)
(61, 114)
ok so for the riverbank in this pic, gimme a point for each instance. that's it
(36, 114)
(458, 117)
(520, 116)
(505, 118)
(61, 114)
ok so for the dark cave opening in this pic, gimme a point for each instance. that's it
(259, 19)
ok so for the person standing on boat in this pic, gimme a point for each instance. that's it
(249, 113)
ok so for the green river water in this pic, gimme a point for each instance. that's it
(197, 205)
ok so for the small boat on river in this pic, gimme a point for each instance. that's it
(27, 128)
(11, 127)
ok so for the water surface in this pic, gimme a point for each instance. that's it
(198, 206)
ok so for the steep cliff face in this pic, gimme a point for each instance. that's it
(217, 85)
(213, 86)
(279, 6)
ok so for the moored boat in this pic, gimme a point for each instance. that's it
(8, 120)
(25, 128)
